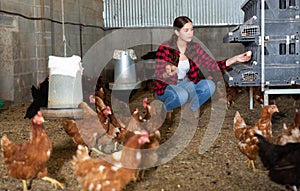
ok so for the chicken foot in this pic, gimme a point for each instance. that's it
(54, 182)
(251, 163)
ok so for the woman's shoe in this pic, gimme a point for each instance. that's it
(169, 115)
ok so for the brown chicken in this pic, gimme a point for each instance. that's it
(258, 95)
(105, 115)
(127, 124)
(28, 160)
(151, 121)
(136, 120)
(148, 108)
(103, 112)
(88, 131)
(288, 135)
(112, 172)
(72, 130)
(149, 153)
(245, 133)
(136, 123)
(291, 134)
(155, 114)
(227, 94)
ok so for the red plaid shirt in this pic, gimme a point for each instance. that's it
(168, 53)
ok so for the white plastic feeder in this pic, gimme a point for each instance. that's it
(65, 87)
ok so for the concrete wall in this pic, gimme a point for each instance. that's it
(31, 31)
(143, 40)
(212, 37)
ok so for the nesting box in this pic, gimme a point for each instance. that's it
(281, 44)
(271, 32)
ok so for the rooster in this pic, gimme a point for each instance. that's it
(27, 160)
(112, 172)
(245, 133)
(282, 161)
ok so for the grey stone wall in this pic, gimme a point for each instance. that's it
(31, 31)
(7, 30)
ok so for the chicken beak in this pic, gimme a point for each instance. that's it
(147, 140)
(144, 140)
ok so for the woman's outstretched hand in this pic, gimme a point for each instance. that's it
(244, 57)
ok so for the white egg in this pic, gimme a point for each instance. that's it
(249, 53)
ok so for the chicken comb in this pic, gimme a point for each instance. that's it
(109, 110)
(145, 101)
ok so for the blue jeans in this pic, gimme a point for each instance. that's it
(185, 90)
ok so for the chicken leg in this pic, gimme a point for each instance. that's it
(24, 185)
(54, 182)
(252, 164)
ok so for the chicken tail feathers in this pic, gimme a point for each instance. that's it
(5, 148)
(4, 142)
(238, 121)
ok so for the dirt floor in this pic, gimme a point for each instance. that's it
(222, 167)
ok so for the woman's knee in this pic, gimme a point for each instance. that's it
(177, 93)
(212, 86)
(183, 96)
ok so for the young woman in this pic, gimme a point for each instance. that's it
(183, 69)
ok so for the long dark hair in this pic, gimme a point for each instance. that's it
(179, 22)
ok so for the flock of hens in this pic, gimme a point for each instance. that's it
(126, 146)
(281, 158)
(133, 141)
